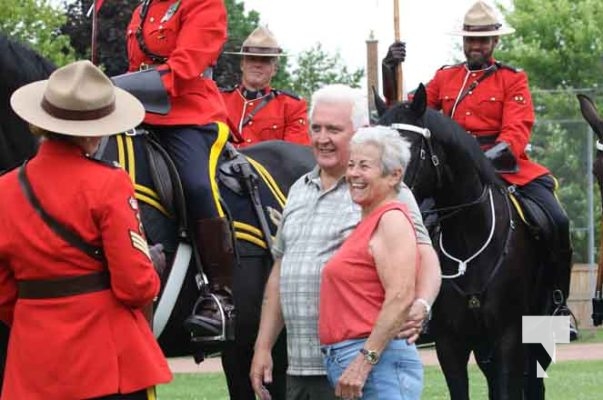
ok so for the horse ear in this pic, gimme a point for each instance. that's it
(380, 104)
(419, 100)
(591, 115)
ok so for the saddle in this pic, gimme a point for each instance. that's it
(534, 216)
(246, 190)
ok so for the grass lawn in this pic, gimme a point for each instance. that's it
(567, 380)
(591, 336)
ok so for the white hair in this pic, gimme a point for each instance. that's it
(394, 149)
(339, 93)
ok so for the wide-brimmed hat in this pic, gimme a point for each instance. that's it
(481, 20)
(260, 43)
(77, 100)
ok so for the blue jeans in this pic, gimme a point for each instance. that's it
(397, 376)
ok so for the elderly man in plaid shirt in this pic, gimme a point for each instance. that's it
(318, 216)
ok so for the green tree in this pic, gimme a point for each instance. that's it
(113, 19)
(315, 68)
(559, 43)
(37, 23)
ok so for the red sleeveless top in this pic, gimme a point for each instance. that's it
(351, 293)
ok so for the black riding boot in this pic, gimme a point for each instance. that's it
(562, 266)
(213, 314)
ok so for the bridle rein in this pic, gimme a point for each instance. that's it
(425, 152)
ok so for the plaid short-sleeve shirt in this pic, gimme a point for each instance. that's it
(315, 223)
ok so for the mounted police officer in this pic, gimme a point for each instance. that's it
(182, 40)
(492, 102)
(258, 111)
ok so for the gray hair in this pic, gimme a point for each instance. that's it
(339, 93)
(394, 149)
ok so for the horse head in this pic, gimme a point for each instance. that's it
(18, 65)
(446, 162)
(591, 115)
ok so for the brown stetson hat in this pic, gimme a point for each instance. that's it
(260, 43)
(481, 20)
(77, 100)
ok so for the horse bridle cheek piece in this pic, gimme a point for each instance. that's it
(425, 135)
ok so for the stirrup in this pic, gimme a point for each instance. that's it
(212, 319)
(562, 309)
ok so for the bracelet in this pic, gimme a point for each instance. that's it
(425, 303)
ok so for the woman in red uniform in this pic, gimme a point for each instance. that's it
(182, 40)
(74, 264)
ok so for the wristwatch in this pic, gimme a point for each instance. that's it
(371, 356)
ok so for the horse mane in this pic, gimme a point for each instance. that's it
(453, 136)
(19, 65)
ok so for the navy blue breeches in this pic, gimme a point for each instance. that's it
(542, 191)
(196, 151)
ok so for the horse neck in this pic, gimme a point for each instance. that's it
(598, 170)
(464, 227)
(461, 184)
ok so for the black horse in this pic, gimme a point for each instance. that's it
(490, 270)
(591, 115)
(274, 167)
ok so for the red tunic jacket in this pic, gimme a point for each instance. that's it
(87, 345)
(190, 33)
(283, 117)
(500, 106)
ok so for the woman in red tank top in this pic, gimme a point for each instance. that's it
(367, 287)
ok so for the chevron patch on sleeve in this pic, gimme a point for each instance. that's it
(139, 243)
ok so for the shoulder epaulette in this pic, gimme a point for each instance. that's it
(509, 67)
(228, 89)
(450, 66)
(106, 163)
(286, 93)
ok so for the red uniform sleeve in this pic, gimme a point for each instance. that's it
(133, 278)
(296, 122)
(8, 294)
(518, 113)
(202, 34)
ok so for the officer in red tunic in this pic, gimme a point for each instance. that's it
(74, 302)
(182, 40)
(492, 101)
(256, 110)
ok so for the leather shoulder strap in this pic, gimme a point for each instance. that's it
(265, 101)
(62, 231)
(474, 84)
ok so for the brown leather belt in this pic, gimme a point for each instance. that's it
(63, 287)
(485, 140)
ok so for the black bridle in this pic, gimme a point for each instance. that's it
(425, 151)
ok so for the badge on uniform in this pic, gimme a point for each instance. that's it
(139, 243)
(133, 203)
(170, 12)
